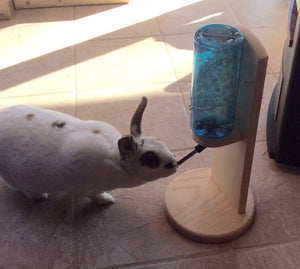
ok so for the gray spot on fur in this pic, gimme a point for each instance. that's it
(30, 116)
(96, 132)
(58, 124)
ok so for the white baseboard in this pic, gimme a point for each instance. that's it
(20, 4)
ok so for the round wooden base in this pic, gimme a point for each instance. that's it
(196, 207)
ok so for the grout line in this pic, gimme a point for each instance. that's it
(38, 94)
(266, 245)
(173, 68)
(74, 69)
(99, 39)
(121, 87)
(170, 60)
(168, 53)
(232, 12)
(184, 149)
(75, 81)
(211, 253)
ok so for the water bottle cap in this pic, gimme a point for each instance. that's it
(219, 34)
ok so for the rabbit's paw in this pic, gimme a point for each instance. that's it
(103, 198)
(36, 196)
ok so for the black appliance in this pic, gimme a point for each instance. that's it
(283, 123)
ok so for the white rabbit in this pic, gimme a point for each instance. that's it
(44, 151)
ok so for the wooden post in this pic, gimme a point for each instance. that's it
(6, 9)
(215, 204)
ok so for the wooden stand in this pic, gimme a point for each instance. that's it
(215, 204)
(198, 208)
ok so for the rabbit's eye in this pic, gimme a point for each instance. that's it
(149, 159)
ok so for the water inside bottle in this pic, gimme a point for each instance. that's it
(212, 129)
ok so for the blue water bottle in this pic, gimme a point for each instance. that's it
(217, 58)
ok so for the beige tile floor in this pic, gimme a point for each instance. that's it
(95, 62)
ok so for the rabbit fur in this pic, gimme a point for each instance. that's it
(44, 151)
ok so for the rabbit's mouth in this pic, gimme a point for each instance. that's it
(171, 166)
(168, 169)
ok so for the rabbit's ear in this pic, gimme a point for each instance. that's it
(135, 126)
(127, 146)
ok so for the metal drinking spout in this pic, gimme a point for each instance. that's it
(197, 149)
